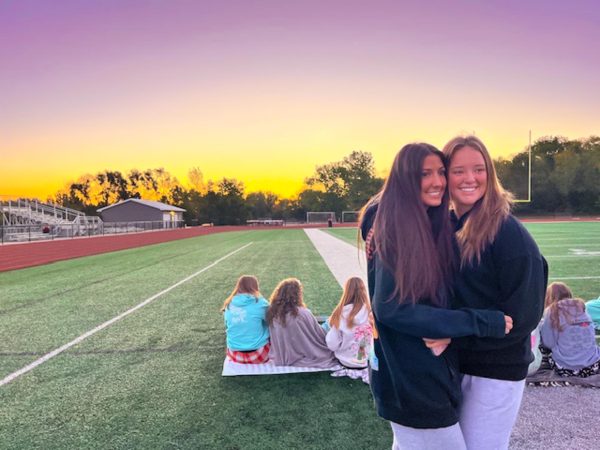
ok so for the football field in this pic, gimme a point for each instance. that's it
(125, 349)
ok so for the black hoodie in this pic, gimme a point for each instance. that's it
(410, 385)
(511, 276)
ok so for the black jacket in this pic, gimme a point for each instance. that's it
(410, 385)
(512, 277)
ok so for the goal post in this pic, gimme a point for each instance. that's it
(320, 217)
(350, 216)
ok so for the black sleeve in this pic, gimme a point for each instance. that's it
(431, 322)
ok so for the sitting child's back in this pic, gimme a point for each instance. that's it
(350, 335)
(246, 327)
(297, 339)
(300, 341)
(568, 332)
(245, 322)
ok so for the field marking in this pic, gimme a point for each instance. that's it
(566, 245)
(548, 239)
(574, 278)
(571, 256)
(79, 339)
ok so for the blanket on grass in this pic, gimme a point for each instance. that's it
(547, 377)
(232, 369)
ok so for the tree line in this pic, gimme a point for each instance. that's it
(565, 176)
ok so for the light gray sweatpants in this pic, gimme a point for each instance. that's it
(489, 411)
(406, 438)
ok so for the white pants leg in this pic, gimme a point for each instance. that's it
(489, 411)
(407, 438)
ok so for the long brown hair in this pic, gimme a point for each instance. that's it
(487, 215)
(413, 241)
(355, 294)
(556, 291)
(286, 298)
(246, 284)
(569, 308)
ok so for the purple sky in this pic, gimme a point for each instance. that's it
(134, 80)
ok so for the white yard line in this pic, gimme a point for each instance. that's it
(574, 278)
(553, 239)
(571, 256)
(76, 341)
(344, 260)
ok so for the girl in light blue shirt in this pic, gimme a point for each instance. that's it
(247, 331)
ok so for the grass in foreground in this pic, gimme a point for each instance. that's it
(153, 379)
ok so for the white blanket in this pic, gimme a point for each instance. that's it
(232, 369)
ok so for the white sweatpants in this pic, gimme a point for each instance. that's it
(407, 438)
(489, 411)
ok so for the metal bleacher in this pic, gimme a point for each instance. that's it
(27, 220)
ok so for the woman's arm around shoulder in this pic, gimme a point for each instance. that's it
(432, 322)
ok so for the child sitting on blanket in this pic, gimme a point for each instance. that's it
(568, 332)
(350, 335)
(245, 324)
(296, 337)
(555, 292)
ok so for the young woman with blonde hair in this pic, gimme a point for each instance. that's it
(408, 240)
(500, 268)
(350, 333)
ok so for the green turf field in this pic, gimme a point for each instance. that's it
(152, 379)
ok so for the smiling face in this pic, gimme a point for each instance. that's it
(433, 181)
(467, 179)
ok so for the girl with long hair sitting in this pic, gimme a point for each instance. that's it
(297, 339)
(350, 333)
(568, 333)
(246, 328)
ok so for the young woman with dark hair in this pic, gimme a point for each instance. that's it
(410, 257)
(500, 268)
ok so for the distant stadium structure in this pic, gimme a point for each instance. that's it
(137, 210)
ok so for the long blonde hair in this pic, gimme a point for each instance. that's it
(556, 291)
(246, 284)
(487, 216)
(286, 298)
(355, 293)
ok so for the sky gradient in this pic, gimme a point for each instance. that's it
(263, 91)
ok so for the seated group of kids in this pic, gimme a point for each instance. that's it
(568, 342)
(284, 330)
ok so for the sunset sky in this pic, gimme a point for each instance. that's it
(263, 91)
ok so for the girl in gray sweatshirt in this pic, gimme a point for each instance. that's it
(569, 333)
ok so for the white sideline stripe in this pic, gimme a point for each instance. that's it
(573, 278)
(541, 240)
(572, 256)
(76, 341)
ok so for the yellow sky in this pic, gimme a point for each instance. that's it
(265, 98)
